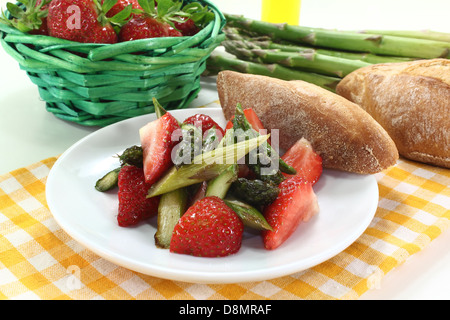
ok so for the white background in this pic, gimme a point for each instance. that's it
(28, 133)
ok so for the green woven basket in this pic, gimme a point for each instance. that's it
(99, 84)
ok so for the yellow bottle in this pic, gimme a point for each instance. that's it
(281, 11)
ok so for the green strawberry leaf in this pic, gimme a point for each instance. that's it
(122, 16)
(201, 15)
(148, 6)
(15, 10)
(163, 7)
(27, 3)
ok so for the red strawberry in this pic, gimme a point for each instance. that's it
(120, 5)
(302, 157)
(172, 32)
(134, 206)
(296, 203)
(209, 228)
(79, 20)
(42, 30)
(143, 27)
(150, 24)
(157, 145)
(204, 122)
(187, 27)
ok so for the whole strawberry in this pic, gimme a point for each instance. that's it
(134, 206)
(144, 26)
(209, 228)
(152, 22)
(79, 20)
(186, 26)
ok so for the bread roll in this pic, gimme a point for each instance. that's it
(346, 137)
(411, 100)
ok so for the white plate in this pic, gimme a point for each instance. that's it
(347, 205)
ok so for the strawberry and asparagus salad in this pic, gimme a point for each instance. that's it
(107, 21)
(207, 184)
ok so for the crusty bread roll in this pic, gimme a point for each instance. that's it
(411, 100)
(346, 137)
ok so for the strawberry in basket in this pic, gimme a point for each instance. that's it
(79, 20)
(108, 21)
(165, 18)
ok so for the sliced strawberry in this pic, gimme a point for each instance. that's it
(204, 122)
(209, 228)
(133, 203)
(302, 157)
(157, 145)
(296, 203)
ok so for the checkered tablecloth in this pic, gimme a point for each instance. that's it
(38, 260)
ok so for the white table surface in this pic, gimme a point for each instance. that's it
(28, 133)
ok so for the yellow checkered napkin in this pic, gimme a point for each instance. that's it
(38, 260)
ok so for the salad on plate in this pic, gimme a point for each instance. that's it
(207, 184)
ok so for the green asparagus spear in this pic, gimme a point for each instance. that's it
(133, 156)
(108, 181)
(345, 40)
(193, 143)
(222, 61)
(264, 158)
(309, 60)
(171, 207)
(417, 34)
(205, 166)
(265, 42)
(256, 192)
(220, 185)
(190, 145)
(249, 215)
(210, 139)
